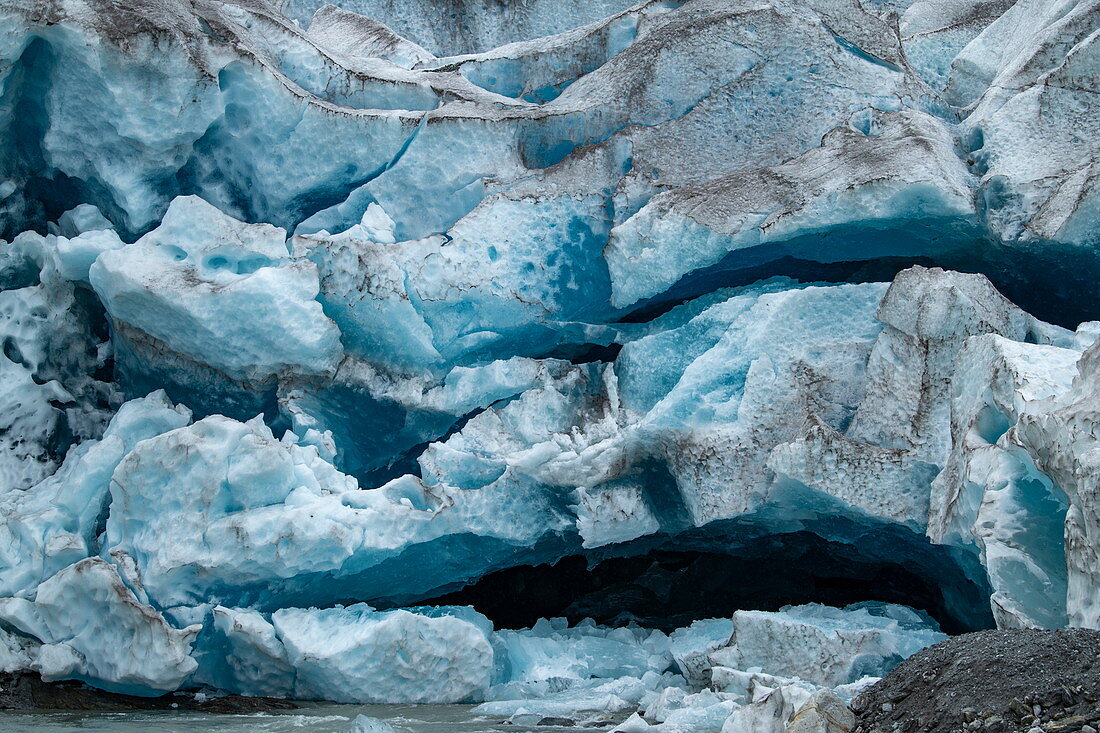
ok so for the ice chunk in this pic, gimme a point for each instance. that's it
(82, 219)
(252, 660)
(352, 654)
(94, 629)
(580, 699)
(768, 712)
(747, 686)
(272, 520)
(356, 654)
(362, 723)
(613, 514)
(824, 712)
(634, 724)
(579, 653)
(16, 652)
(824, 645)
(73, 257)
(54, 523)
(220, 292)
(704, 710)
(691, 647)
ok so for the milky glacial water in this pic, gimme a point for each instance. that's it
(310, 719)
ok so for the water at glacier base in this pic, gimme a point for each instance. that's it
(311, 718)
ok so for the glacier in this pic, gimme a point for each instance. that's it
(677, 364)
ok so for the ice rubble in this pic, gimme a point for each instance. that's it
(691, 677)
(361, 305)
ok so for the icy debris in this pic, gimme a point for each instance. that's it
(769, 710)
(16, 652)
(549, 670)
(691, 647)
(551, 650)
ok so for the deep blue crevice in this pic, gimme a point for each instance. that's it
(1049, 280)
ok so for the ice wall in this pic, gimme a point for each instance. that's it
(306, 316)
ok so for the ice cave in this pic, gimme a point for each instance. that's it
(683, 365)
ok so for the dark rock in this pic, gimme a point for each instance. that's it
(1068, 724)
(1019, 708)
(559, 722)
(22, 691)
(990, 680)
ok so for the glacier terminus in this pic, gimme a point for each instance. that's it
(678, 365)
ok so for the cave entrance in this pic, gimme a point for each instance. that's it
(670, 585)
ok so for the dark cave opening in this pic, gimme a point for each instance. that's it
(669, 586)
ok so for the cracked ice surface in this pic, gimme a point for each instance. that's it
(365, 303)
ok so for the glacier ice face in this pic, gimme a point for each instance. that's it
(1059, 441)
(252, 517)
(438, 291)
(219, 293)
(881, 171)
(1013, 79)
(934, 32)
(990, 484)
(466, 26)
(54, 391)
